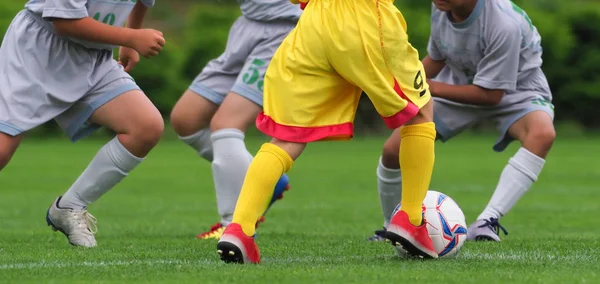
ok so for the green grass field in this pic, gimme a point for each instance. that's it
(316, 234)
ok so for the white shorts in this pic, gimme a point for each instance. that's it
(242, 66)
(452, 118)
(44, 77)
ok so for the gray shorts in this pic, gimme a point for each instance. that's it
(242, 67)
(45, 77)
(452, 118)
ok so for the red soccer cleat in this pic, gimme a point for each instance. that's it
(235, 247)
(414, 239)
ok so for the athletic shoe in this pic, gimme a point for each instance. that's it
(379, 236)
(485, 230)
(235, 247)
(78, 225)
(414, 239)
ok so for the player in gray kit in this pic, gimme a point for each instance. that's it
(213, 115)
(56, 63)
(484, 63)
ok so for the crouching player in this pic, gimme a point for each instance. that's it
(57, 63)
(215, 112)
(312, 89)
(485, 59)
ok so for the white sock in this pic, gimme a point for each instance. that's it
(389, 185)
(110, 165)
(230, 164)
(516, 178)
(201, 142)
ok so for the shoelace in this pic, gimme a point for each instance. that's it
(494, 225)
(85, 220)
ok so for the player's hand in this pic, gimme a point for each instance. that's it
(128, 58)
(148, 42)
(433, 86)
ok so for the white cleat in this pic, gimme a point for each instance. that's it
(78, 225)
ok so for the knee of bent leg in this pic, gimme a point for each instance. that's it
(149, 130)
(390, 157)
(181, 123)
(541, 137)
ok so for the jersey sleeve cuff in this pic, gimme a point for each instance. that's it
(495, 85)
(148, 3)
(65, 14)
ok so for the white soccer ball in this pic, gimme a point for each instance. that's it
(445, 223)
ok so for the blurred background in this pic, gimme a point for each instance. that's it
(196, 31)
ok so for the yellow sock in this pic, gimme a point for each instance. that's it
(265, 170)
(416, 161)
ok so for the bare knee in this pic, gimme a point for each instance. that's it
(236, 112)
(539, 140)
(148, 131)
(191, 113)
(424, 115)
(183, 123)
(390, 157)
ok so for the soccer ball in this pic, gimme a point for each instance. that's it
(445, 223)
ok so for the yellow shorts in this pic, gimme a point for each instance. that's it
(338, 49)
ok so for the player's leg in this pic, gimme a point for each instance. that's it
(190, 119)
(531, 123)
(294, 113)
(450, 120)
(192, 113)
(123, 108)
(237, 113)
(388, 69)
(8, 147)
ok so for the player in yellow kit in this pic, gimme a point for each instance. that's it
(312, 88)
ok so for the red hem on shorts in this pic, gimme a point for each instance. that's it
(297, 134)
(404, 115)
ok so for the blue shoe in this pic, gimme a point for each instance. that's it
(282, 186)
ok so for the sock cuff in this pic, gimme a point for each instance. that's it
(121, 156)
(191, 139)
(281, 154)
(527, 163)
(227, 133)
(200, 141)
(388, 175)
(423, 129)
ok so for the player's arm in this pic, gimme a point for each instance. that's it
(496, 72)
(466, 94)
(89, 29)
(432, 67)
(70, 19)
(136, 18)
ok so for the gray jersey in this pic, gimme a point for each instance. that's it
(270, 10)
(496, 47)
(110, 12)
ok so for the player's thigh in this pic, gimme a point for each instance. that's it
(305, 99)
(530, 122)
(383, 64)
(237, 112)
(191, 113)
(131, 113)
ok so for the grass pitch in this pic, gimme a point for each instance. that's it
(316, 234)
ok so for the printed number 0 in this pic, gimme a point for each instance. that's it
(109, 19)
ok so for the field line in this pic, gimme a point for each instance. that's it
(504, 256)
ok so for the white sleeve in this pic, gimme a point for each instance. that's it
(499, 67)
(65, 9)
